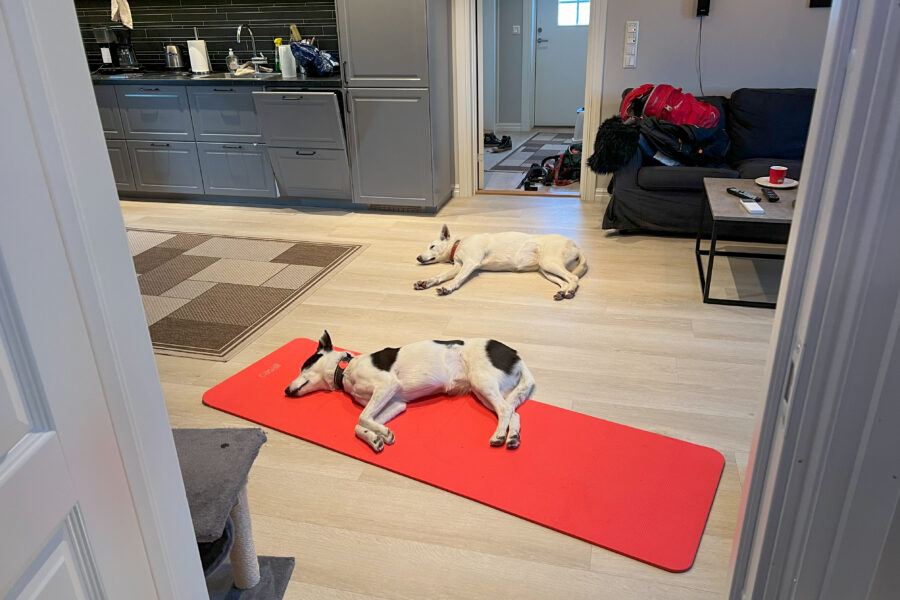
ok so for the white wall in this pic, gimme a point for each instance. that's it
(489, 51)
(746, 43)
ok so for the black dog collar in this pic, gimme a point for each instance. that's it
(339, 371)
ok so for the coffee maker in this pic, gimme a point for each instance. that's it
(115, 49)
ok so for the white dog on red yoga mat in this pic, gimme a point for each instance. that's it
(551, 255)
(385, 381)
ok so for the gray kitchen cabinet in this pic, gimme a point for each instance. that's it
(236, 170)
(384, 43)
(390, 133)
(224, 114)
(170, 167)
(155, 112)
(397, 71)
(309, 173)
(300, 119)
(108, 106)
(121, 165)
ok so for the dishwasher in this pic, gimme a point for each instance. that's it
(304, 136)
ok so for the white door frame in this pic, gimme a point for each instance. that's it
(529, 18)
(825, 477)
(468, 107)
(58, 91)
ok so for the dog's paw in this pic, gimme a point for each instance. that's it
(378, 445)
(442, 291)
(570, 295)
(560, 295)
(389, 438)
(420, 285)
(512, 442)
(498, 441)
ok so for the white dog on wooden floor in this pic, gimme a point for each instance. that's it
(385, 381)
(551, 255)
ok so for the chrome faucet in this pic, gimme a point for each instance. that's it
(257, 58)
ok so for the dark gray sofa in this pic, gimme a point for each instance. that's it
(765, 127)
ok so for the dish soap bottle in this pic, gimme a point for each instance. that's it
(231, 61)
(278, 42)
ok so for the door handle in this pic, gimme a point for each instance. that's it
(344, 73)
(223, 89)
(292, 97)
(232, 146)
(540, 39)
(148, 89)
(160, 145)
(301, 153)
(347, 101)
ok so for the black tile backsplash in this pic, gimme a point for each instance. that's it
(161, 22)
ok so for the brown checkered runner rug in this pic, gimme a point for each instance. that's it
(206, 296)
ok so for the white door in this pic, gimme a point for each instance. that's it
(561, 35)
(68, 524)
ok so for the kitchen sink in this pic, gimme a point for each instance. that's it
(230, 76)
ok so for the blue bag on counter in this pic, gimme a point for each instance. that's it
(315, 61)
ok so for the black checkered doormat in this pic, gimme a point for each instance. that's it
(208, 295)
(534, 150)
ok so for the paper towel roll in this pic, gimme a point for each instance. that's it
(198, 56)
(288, 62)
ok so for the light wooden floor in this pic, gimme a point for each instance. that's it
(635, 346)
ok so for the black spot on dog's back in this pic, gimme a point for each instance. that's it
(385, 359)
(310, 361)
(449, 342)
(502, 356)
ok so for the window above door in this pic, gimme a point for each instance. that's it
(573, 12)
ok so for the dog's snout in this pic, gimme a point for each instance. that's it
(287, 391)
(420, 259)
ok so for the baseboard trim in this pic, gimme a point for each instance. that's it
(508, 127)
(601, 195)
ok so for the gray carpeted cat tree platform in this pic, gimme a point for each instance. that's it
(214, 465)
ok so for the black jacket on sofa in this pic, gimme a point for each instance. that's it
(765, 126)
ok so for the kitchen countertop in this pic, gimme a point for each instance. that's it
(163, 77)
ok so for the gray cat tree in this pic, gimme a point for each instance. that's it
(215, 464)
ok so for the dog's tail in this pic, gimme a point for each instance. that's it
(580, 267)
(523, 388)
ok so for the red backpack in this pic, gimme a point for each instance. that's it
(668, 104)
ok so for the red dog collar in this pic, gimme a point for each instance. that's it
(453, 249)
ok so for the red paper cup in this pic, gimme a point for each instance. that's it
(776, 175)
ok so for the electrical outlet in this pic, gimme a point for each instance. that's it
(517, 29)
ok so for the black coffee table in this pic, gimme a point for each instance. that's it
(727, 208)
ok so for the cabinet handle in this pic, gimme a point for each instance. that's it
(160, 145)
(148, 89)
(233, 146)
(301, 153)
(347, 101)
(344, 72)
(223, 89)
(292, 97)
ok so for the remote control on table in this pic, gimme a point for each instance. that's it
(752, 207)
(769, 194)
(742, 194)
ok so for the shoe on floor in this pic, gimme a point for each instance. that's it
(505, 144)
(491, 140)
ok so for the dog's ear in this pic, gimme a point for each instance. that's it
(325, 342)
(445, 233)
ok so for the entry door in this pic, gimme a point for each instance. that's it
(561, 36)
(68, 524)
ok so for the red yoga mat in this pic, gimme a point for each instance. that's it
(638, 493)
